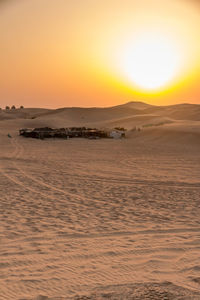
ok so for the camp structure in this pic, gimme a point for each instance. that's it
(70, 132)
(38, 133)
(117, 134)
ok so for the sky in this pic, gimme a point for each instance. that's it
(58, 53)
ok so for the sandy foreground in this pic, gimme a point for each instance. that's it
(100, 219)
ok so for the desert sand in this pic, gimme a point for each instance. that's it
(101, 219)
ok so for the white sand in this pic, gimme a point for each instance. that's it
(101, 219)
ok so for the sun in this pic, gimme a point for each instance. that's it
(151, 61)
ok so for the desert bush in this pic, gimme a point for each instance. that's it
(120, 128)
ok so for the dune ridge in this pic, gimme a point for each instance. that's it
(101, 219)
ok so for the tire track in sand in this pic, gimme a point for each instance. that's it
(19, 154)
(21, 151)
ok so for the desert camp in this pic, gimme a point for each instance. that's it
(100, 150)
(71, 132)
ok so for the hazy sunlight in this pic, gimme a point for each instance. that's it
(99, 53)
(151, 61)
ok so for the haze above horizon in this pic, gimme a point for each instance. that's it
(80, 53)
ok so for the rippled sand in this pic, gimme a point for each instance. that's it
(100, 219)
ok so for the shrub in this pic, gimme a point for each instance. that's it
(120, 128)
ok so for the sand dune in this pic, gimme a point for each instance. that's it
(100, 219)
(177, 112)
(26, 113)
(130, 114)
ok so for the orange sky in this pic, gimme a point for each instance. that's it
(57, 53)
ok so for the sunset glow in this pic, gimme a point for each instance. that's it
(99, 53)
(152, 61)
(100, 149)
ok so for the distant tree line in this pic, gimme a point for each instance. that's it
(12, 107)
